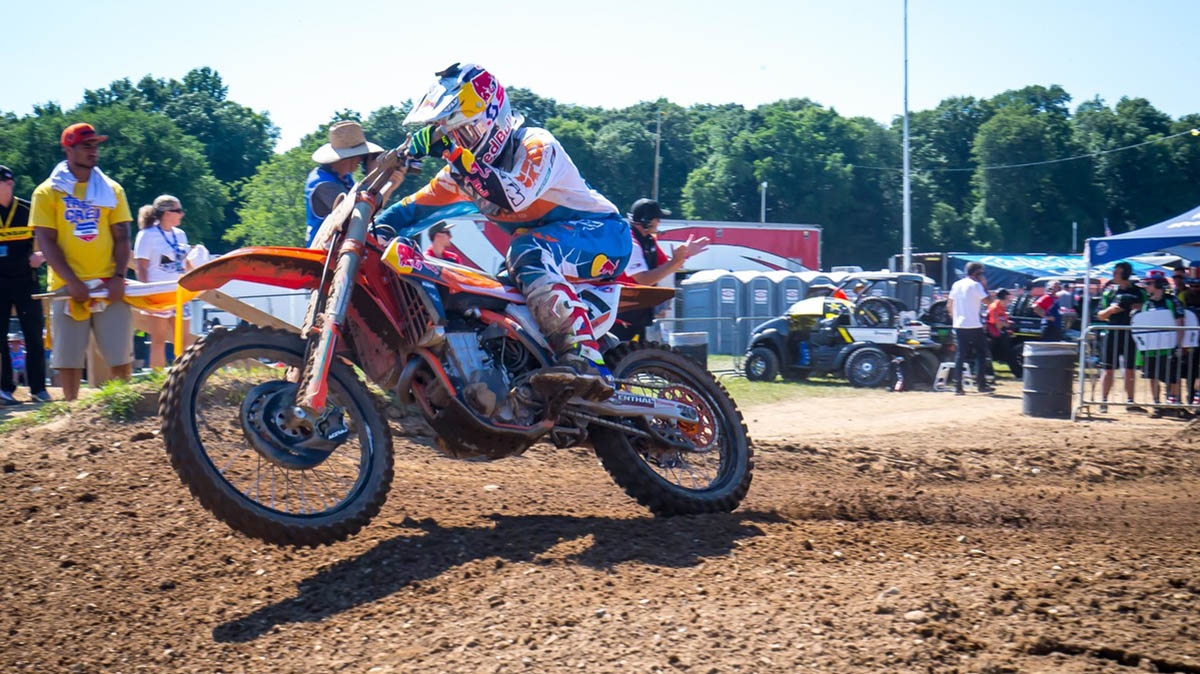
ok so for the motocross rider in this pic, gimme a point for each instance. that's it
(521, 179)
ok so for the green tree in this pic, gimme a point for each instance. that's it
(1035, 204)
(146, 153)
(235, 138)
(272, 211)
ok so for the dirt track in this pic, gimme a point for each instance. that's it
(934, 534)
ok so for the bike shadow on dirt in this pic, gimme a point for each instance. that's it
(407, 559)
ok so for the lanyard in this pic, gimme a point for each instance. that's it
(173, 242)
(12, 213)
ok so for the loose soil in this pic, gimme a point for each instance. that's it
(886, 532)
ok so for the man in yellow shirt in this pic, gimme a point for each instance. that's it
(81, 220)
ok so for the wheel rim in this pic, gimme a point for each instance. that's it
(695, 471)
(758, 365)
(866, 368)
(306, 486)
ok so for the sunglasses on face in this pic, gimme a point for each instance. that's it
(173, 210)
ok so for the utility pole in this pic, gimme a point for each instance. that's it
(1074, 235)
(657, 157)
(762, 216)
(907, 186)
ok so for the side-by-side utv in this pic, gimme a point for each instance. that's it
(834, 336)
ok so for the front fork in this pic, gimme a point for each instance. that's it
(313, 390)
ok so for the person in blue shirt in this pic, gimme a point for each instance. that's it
(346, 150)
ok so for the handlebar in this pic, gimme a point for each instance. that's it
(392, 160)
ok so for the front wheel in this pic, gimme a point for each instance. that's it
(224, 412)
(714, 475)
(761, 364)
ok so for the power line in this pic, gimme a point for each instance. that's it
(1194, 132)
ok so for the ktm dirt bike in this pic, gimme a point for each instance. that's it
(280, 437)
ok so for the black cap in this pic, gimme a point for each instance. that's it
(6, 173)
(645, 210)
(440, 227)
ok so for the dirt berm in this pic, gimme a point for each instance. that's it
(884, 533)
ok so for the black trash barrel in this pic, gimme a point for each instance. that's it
(1048, 376)
(694, 345)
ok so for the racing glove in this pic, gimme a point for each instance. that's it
(423, 144)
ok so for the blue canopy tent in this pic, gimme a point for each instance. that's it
(1179, 235)
(1014, 271)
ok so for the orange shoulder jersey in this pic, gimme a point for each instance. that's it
(542, 186)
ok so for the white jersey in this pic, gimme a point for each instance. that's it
(164, 250)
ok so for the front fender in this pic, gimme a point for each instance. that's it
(773, 339)
(291, 268)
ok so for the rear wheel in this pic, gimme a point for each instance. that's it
(224, 412)
(867, 367)
(761, 364)
(712, 476)
(1016, 359)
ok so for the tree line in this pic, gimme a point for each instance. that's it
(186, 137)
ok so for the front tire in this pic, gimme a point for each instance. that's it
(645, 470)
(266, 484)
(761, 364)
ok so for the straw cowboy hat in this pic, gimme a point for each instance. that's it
(346, 140)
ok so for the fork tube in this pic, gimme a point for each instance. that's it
(314, 388)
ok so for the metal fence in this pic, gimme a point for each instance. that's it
(1139, 369)
(728, 337)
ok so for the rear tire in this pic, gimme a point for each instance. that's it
(181, 403)
(761, 364)
(867, 367)
(627, 463)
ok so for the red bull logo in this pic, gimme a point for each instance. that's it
(485, 87)
(602, 266)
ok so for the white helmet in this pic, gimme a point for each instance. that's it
(471, 107)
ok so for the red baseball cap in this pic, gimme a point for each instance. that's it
(77, 133)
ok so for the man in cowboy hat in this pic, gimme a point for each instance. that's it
(337, 159)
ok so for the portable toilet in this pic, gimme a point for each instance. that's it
(711, 303)
(758, 305)
(789, 289)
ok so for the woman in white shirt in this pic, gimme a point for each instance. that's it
(159, 253)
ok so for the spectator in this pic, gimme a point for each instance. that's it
(999, 328)
(81, 220)
(1161, 366)
(18, 284)
(1179, 279)
(1118, 302)
(1065, 298)
(158, 255)
(1048, 309)
(439, 238)
(347, 148)
(1191, 369)
(648, 264)
(966, 297)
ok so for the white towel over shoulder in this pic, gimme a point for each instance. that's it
(99, 192)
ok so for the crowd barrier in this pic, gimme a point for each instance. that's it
(728, 337)
(1160, 365)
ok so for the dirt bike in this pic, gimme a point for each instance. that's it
(280, 437)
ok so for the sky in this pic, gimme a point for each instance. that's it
(302, 60)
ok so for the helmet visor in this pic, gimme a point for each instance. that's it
(471, 134)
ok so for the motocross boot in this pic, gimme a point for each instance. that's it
(580, 369)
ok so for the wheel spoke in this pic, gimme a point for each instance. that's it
(224, 441)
